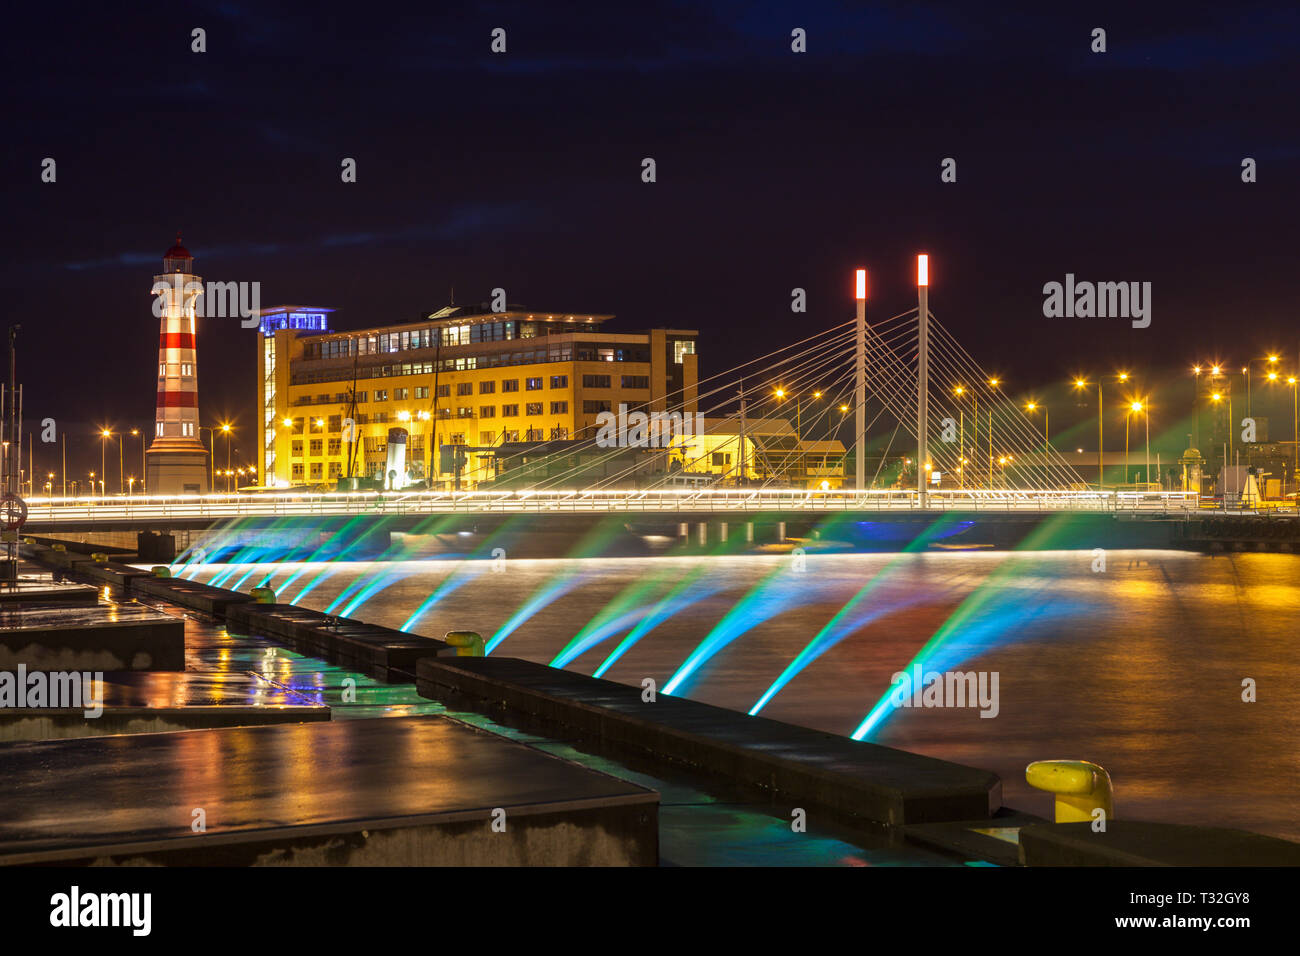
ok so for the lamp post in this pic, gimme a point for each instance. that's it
(1034, 406)
(134, 432)
(1196, 396)
(1139, 406)
(993, 384)
(104, 434)
(959, 391)
(1295, 429)
(226, 430)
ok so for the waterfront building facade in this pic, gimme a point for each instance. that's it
(451, 390)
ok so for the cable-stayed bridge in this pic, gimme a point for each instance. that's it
(865, 416)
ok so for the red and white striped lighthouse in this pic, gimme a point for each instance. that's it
(177, 459)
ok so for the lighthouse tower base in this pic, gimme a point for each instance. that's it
(182, 470)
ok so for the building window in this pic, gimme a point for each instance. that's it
(595, 381)
(317, 470)
(559, 381)
(444, 391)
(510, 411)
(316, 446)
(559, 408)
(401, 394)
(158, 430)
(335, 446)
(465, 388)
(464, 412)
(682, 347)
(336, 422)
(187, 368)
(535, 434)
(636, 381)
(487, 438)
(187, 428)
(721, 459)
(296, 472)
(297, 449)
(559, 434)
(487, 388)
(595, 407)
(335, 469)
(487, 411)
(533, 384)
(458, 438)
(422, 391)
(381, 394)
(510, 385)
(533, 408)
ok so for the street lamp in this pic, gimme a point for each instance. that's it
(1196, 395)
(960, 391)
(134, 432)
(1138, 406)
(104, 435)
(1295, 427)
(226, 430)
(1032, 407)
(993, 384)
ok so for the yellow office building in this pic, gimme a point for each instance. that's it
(332, 402)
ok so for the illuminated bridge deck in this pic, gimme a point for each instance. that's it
(126, 512)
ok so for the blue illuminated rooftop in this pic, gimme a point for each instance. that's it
(303, 318)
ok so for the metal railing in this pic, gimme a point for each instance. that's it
(220, 506)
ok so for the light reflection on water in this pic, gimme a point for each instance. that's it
(1138, 668)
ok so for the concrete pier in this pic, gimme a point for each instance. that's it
(396, 791)
(381, 652)
(854, 780)
(90, 638)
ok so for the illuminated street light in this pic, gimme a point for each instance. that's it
(1138, 406)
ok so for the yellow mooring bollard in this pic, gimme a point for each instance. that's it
(263, 595)
(99, 557)
(160, 571)
(1080, 787)
(58, 547)
(467, 643)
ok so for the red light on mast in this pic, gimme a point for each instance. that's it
(922, 269)
(861, 290)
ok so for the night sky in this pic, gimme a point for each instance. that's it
(775, 170)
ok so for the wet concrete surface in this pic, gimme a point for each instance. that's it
(33, 589)
(136, 798)
(95, 637)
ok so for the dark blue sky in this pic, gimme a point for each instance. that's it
(775, 170)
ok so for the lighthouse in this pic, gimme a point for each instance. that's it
(177, 461)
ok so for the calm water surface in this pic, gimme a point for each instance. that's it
(1139, 666)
